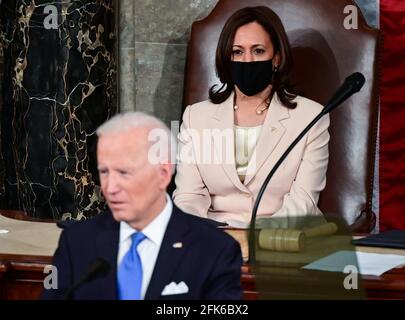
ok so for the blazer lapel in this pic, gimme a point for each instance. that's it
(170, 255)
(224, 140)
(270, 136)
(107, 247)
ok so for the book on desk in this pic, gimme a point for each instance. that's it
(388, 239)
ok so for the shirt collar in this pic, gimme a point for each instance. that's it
(155, 230)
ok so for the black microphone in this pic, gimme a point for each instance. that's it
(350, 86)
(97, 268)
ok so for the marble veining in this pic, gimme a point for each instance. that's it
(59, 86)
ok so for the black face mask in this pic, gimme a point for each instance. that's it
(252, 77)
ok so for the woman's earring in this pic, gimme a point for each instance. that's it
(275, 69)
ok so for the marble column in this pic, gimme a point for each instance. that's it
(2, 166)
(60, 84)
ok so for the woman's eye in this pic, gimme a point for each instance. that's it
(259, 51)
(236, 52)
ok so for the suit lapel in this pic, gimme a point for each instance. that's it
(107, 247)
(225, 147)
(270, 135)
(169, 256)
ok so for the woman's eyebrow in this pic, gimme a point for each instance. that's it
(253, 45)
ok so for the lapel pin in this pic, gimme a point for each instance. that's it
(178, 245)
(273, 129)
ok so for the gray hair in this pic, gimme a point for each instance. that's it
(158, 130)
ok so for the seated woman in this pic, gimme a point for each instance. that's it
(229, 144)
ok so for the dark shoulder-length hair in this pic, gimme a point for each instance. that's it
(269, 20)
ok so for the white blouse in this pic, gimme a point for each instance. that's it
(245, 143)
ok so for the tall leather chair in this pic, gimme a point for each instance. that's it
(325, 53)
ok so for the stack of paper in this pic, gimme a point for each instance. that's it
(367, 263)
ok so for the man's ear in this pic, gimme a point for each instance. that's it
(165, 172)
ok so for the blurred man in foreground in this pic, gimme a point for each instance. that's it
(151, 248)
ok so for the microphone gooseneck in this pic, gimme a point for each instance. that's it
(350, 86)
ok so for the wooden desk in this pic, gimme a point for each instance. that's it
(390, 285)
(24, 252)
(21, 274)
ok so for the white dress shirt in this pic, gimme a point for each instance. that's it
(149, 248)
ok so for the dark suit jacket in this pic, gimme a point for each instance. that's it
(209, 261)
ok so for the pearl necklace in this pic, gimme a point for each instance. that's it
(259, 111)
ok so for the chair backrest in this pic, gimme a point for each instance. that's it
(325, 53)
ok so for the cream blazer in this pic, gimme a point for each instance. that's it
(207, 183)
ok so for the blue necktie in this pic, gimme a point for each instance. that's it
(130, 271)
